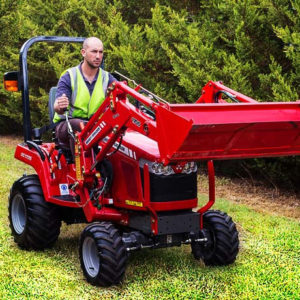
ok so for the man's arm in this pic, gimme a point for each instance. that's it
(111, 79)
(63, 94)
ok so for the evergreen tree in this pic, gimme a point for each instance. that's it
(171, 47)
(10, 104)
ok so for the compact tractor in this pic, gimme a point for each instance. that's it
(134, 175)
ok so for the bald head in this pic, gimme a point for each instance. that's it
(92, 42)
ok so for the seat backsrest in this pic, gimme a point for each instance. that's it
(52, 94)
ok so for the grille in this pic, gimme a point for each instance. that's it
(175, 187)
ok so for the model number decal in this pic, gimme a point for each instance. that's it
(95, 132)
(136, 122)
(26, 156)
(134, 203)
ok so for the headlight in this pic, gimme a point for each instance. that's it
(189, 167)
(159, 169)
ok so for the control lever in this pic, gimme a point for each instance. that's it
(70, 130)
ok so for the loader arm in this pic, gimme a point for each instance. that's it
(116, 114)
(203, 131)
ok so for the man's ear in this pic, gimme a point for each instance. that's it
(83, 52)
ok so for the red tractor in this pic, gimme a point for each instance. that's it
(134, 175)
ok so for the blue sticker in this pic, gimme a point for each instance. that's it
(64, 189)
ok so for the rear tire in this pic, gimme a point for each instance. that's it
(223, 242)
(35, 223)
(102, 254)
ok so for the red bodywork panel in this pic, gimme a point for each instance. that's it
(208, 130)
(228, 131)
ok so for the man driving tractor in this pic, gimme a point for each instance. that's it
(81, 90)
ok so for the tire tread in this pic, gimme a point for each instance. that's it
(111, 251)
(43, 222)
(225, 238)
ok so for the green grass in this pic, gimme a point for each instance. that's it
(267, 266)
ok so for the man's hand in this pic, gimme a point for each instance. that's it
(61, 104)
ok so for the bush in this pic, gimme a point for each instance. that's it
(172, 47)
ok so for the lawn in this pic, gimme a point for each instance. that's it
(267, 266)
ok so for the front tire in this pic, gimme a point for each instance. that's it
(102, 254)
(35, 223)
(222, 246)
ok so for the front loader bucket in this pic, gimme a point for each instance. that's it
(229, 131)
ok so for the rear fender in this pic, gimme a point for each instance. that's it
(42, 167)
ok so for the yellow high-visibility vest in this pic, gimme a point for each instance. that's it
(82, 104)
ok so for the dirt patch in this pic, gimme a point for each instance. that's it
(254, 195)
(11, 140)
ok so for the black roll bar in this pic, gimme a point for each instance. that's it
(23, 80)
